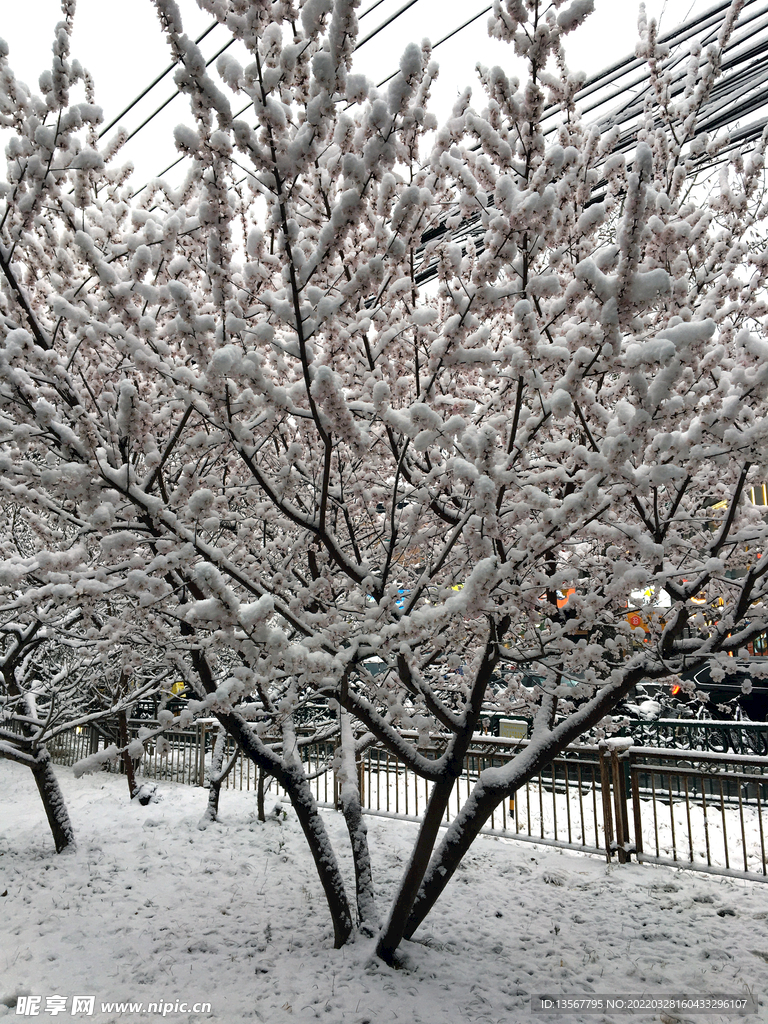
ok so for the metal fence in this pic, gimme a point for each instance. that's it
(562, 806)
(707, 812)
(692, 809)
(75, 744)
(179, 756)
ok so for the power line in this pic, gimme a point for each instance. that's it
(742, 89)
(151, 85)
(445, 38)
(368, 10)
(170, 99)
(393, 17)
(211, 27)
(388, 21)
(712, 18)
(740, 74)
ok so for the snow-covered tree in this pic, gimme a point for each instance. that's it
(24, 730)
(62, 659)
(55, 677)
(341, 414)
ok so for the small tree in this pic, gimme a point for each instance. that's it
(25, 729)
(52, 681)
(294, 457)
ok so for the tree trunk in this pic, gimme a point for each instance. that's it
(293, 780)
(322, 853)
(367, 915)
(394, 930)
(289, 774)
(260, 795)
(351, 808)
(546, 743)
(461, 833)
(216, 776)
(53, 802)
(128, 766)
(37, 758)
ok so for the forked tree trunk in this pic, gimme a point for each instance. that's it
(53, 802)
(462, 832)
(484, 798)
(394, 931)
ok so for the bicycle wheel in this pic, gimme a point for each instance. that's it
(719, 740)
(756, 741)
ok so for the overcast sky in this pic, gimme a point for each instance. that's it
(122, 46)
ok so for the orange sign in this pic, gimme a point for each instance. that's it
(636, 621)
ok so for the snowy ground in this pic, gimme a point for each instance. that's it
(152, 910)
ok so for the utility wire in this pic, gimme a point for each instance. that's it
(740, 74)
(393, 17)
(170, 99)
(151, 86)
(596, 85)
(615, 71)
(200, 38)
(361, 42)
(369, 9)
(445, 38)
(384, 81)
(742, 89)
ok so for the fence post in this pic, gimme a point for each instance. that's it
(605, 792)
(636, 809)
(201, 755)
(620, 801)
